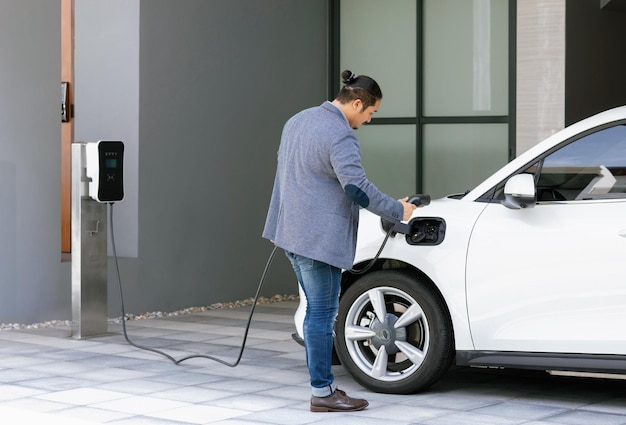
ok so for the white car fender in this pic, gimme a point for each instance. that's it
(444, 264)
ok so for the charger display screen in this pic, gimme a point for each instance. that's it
(111, 163)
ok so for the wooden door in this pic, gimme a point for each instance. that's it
(67, 127)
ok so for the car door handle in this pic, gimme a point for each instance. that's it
(622, 233)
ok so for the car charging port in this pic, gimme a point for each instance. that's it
(419, 230)
(426, 231)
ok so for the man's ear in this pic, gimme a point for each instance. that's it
(357, 104)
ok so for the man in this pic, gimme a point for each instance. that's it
(314, 212)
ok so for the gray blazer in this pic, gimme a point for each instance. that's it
(319, 187)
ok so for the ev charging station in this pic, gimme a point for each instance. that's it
(97, 179)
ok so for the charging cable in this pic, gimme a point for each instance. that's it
(193, 356)
(392, 227)
(373, 260)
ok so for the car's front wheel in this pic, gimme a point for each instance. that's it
(393, 333)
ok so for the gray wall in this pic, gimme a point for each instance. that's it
(595, 60)
(217, 80)
(31, 287)
(106, 88)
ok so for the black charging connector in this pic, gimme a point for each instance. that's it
(394, 227)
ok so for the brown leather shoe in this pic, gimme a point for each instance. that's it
(337, 402)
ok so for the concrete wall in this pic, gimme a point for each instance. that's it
(203, 89)
(218, 79)
(106, 86)
(31, 287)
(540, 70)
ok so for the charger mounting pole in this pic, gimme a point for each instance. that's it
(89, 253)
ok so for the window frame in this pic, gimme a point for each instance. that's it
(420, 120)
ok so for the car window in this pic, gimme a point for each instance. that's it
(592, 167)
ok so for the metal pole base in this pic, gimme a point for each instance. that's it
(89, 254)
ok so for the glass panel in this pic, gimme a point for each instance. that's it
(388, 156)
(457, 157)
(593, 167)
(378, 39)
(465, 57)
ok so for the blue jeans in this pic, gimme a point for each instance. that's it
(321, 284)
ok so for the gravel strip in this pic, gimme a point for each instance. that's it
(156, 314)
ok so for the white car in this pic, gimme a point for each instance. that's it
(527, 270)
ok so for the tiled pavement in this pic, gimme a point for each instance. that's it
(48, 377)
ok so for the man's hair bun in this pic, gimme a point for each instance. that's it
(348, 77)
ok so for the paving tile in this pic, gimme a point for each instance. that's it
(465, 401)
(471, 418)
(57, 383)
(194, 394)
(145, 420)
(578, 417)
(30, 404)
(12, 392)
(20, 361)
(140, 405)
(198, 414)
(83, 396)
(13, 375)
(293, 416)
(241, 385)
(252, 402)
(137, 386)
(12, 415)
(108, 374)
(520, 410)
(184, 378)
(616, 405)
(92, 415)
(61, 368)
(406, 413)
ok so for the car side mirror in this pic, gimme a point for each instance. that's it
(520, 192)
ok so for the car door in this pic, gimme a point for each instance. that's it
(553, 278)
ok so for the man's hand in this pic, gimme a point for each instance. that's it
(408, 208)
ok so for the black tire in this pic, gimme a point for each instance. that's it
(407, 351)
